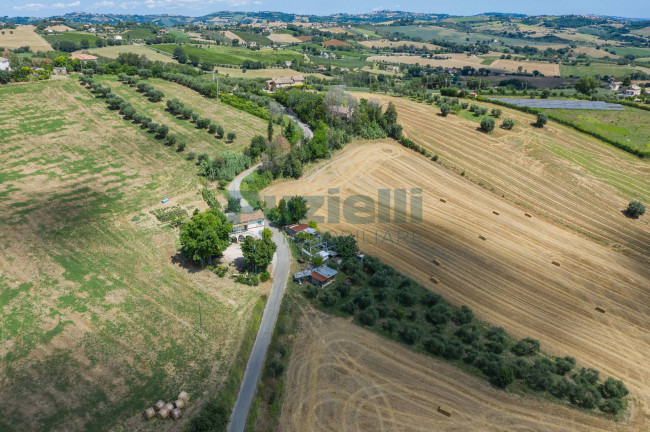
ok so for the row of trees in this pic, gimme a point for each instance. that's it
(394, 305)
(114, 102)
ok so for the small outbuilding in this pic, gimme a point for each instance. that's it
(323, 276)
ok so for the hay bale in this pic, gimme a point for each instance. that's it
(495, 212)
(180, 403)
(183, 395)
(149, 413)
(599, 309)
(169, 406)
(159, 405)
(434, 280)
(163, 413)
(443, 200)
(555, 263)
(436, 262)
(482, 238)
(444, 411)
(528, 215)
(176, 414)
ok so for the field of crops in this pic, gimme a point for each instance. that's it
(149, 52)
(99, 317)
(221, 54)
(72, 37)
(630, 126)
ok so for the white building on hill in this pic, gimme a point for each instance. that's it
(4, 64)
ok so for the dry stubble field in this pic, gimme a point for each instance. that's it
(343, 377)
(508, 279)
(23, 35)
(98, 318)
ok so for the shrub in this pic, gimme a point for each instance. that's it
(584, 395)
(487, 124)
(437, 345)
(612, 388)
(171, 140)
(497, 340)
(368, 316)
(203, 123)
(153, 127)
(612, 406)
(311, 291)
(264, 276)
(329, 298)
(181, 147)
(435, 158)
(232, 136)
(464, 105)
(190, 155)
(635, 209)
(508, 123)
(390, 325)
(505, 377)
(430, 299)
(468, 333)
(539, 378)
(525, 347)
(363, 299)
(439, 314)
(212, 128)
(564, 365)
(561, 388)
(496, 112)
(445, 110)
(220, 131)
(462, 315)
(542, 119)
(162, 131)
(410, 333)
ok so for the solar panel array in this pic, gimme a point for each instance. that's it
(563, 104)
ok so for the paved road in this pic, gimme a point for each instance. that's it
(235, 186)
(261, 345)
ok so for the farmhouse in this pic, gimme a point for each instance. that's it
(245, 225)
(163, 32)
(60, 70)
(85, 58)
(393, 69)
(614, 85)
(4, 64)
(322, 276)
(282, 82)
(633, 90)
(117, 37)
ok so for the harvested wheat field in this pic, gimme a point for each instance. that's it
(345, 378)
(570, 178)
(114, 51)
(546, 69)
(283, 38)
(507, 279)
(23, 35)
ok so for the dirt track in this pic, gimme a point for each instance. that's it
(509, 278)
(345, 378)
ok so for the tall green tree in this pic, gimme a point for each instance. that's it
(587, 85)
(269, 130)
(206, 235)
(258, 253)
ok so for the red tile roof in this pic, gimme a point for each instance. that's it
(298, 227)
(319, 277)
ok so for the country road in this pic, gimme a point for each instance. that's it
(261, 345)
(234, 188)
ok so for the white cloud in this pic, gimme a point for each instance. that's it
(64, 5)
(258, 2)
(104, 4)
(193, 4)
(31, 6)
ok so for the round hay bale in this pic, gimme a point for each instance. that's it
(184, 396)
(159, 405)
(149, 413)
(163, 413)
(180, 404)
(176, 414)
(169, 406)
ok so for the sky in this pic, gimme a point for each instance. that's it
(44, 8)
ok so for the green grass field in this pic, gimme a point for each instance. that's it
(254, 37)
(220, 54)
(72, 37)
(631, 126)
(595, 69)
(635, 51)
(198, 140)
(99, 320)
(138, 34)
